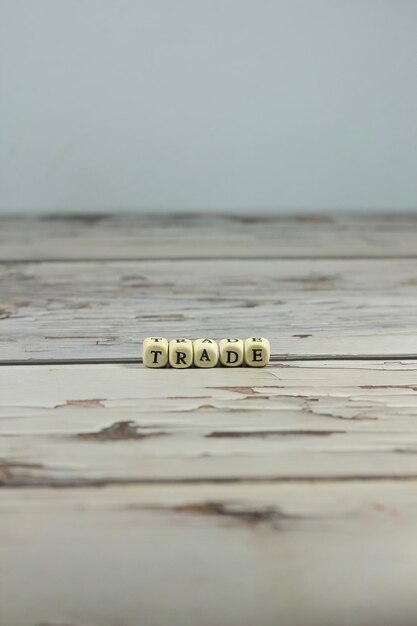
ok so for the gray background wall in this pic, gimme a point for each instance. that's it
(208, 104)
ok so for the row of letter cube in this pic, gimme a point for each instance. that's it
(183, 353)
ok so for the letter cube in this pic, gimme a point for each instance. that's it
(155, 352)
(180, 353)
(206, 353)
(257, 351)
(231, 352)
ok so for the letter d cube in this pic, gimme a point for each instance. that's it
(231, 352)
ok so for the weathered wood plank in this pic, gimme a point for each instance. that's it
(72, 425)
(306, 307)
(215, 236)
(276, 496)
(296, 555)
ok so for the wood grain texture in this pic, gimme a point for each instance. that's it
(234, 555)
(306, 308)
(108, 424)
(226, 497)
(212, 236)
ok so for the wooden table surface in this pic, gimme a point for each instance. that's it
(228, 497)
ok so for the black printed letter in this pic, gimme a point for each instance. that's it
(231, 353)
(204, 356)
(155, 355)
(257, 355)
(181, 356)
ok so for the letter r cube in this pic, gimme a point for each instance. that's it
(180, 353)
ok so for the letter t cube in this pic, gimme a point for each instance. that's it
(155, 352)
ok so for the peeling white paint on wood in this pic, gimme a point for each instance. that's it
(118, 423)
(306, 308)
(305, 555)
(284, 495)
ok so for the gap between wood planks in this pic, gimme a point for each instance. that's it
(47, 483)
(274, 257)
(274, 359)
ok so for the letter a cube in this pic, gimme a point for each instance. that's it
(206, 353)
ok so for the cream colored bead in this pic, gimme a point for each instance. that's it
(257, 351)
(155, 352)
(180, 353)
(206, 353)
(231, 352)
